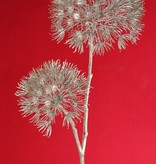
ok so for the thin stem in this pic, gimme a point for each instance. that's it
(82, 147)
(75, 132)
(82, 159)
(85, 122)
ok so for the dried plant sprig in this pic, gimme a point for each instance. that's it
(52, 89)
(105, 21)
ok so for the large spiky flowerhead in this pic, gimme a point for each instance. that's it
(103, 21)
(49, 90)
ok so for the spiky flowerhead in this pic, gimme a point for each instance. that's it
(103, 21)
(49, 90)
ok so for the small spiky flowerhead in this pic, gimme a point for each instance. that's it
(103, 21)
(49, 90)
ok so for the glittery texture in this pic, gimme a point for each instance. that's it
(106, 21)
(50, 90)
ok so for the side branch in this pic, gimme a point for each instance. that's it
(75, 132)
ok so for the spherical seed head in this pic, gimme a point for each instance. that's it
(105, 21)
(49, 90)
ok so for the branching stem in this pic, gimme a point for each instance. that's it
(82, 147)
(86, 111)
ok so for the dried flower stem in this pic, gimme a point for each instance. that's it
(86, 111)
(74, 129)
(76, 136)
(82, 147)
(75, 133)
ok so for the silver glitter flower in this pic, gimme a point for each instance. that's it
(49, 90)
(105, 21)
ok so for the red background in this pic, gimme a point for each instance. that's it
(122, 121)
